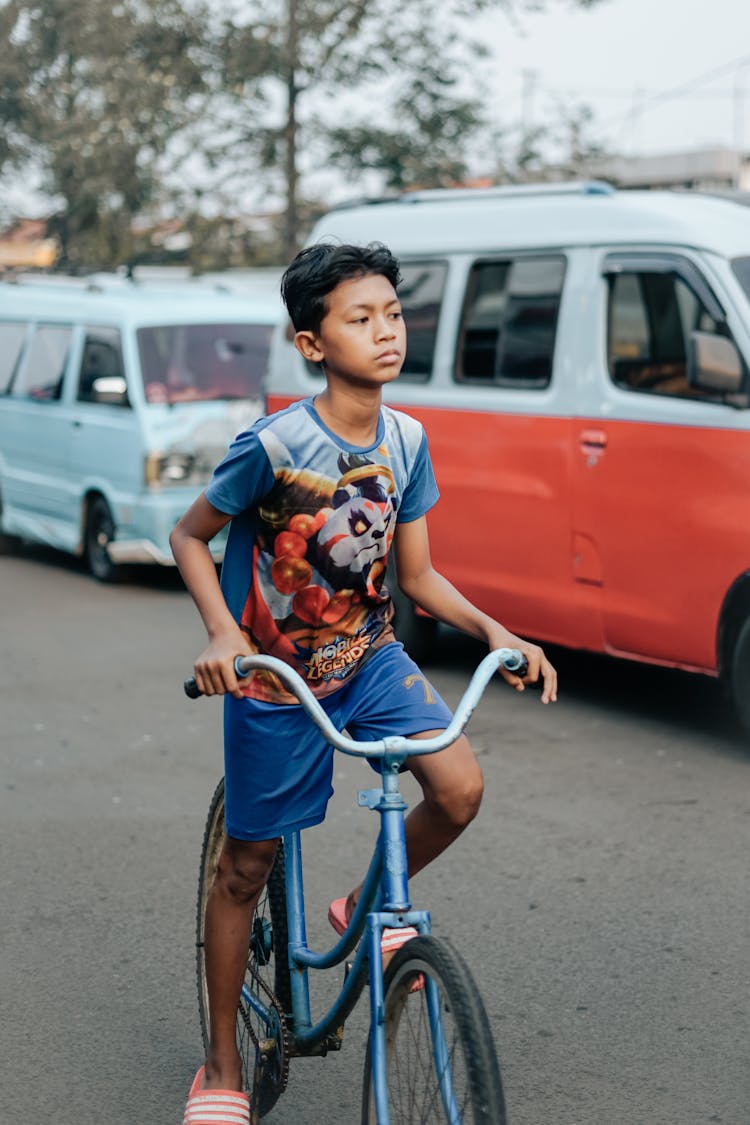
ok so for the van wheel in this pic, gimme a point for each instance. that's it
(738, 680)
(100, 531)
(417, 634)
(8, 543)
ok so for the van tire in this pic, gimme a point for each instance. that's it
(100, 531)
(738, 680)
(9, 544)
(417, 634)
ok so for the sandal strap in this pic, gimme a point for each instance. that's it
(217, 1107)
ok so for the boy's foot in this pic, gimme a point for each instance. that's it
(390, 943)
(215, 1107)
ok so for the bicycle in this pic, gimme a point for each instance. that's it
(430, 1054)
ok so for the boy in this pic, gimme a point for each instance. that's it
(316, 494)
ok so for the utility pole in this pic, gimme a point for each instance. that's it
(528, 85)
(291, 220)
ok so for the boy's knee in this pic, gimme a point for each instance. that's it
(244, 867)
(459, 802)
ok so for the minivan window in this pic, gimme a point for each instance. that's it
(509, 324)
(40, 376)
(12, 337)
(198, 362)
(102, 376)
(741, 267)
(651, 316)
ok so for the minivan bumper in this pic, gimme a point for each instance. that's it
(143, 530)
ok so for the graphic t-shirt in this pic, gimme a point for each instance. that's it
(313, 521)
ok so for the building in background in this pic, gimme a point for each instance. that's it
(719, 169)
(25, 245)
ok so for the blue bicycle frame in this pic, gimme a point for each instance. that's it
(384, 901)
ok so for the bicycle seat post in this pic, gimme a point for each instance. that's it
(389, 802)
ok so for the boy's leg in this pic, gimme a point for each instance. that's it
(243, 869)
(452, 788)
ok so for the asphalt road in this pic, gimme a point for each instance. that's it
(601, 897)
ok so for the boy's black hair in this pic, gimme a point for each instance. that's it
(318, 269)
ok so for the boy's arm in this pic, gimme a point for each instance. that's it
(432, 592)
(214, 668)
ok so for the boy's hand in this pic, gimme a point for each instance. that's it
(539, 666)
(214, 668)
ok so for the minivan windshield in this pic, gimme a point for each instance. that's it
(200, 362)
(741, 267)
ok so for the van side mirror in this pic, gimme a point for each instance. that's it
(110, 389)
(714, 363)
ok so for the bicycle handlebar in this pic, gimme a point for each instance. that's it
(510, 658)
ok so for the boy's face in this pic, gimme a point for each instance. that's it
(362, 337)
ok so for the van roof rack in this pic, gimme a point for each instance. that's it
(502, 191)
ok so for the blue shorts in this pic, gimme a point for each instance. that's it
(278, 766)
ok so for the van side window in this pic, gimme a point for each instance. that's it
(40, 376)
(509, 324)
(651, 316)
(421, 295)
(102, 377)
(12, 337)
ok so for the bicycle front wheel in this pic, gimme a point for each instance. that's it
(261, 1040)
(441, 1064)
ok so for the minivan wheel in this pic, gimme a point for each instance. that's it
(100, 531)
(8, 543)
(738, 680)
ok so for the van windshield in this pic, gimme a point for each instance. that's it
(741, 267)
(200, 362)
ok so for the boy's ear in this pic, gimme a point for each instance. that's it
(307, 345)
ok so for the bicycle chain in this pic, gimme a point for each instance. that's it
(283, 1030)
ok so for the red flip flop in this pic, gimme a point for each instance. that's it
(215, 1107)
(391, 940)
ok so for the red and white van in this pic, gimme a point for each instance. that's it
(579, 359)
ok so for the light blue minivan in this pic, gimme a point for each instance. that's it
(116, 401)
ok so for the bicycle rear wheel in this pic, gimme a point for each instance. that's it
(429, 1081)
(261, 1041)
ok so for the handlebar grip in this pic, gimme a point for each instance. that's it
(516, 663)
(192, 691)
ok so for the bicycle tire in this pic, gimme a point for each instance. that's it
(411, 1070)
(267, 956)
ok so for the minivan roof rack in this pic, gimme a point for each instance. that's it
(504, 191)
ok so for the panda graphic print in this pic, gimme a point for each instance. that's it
(322, 533)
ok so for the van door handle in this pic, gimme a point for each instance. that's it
(591, 440)
(77, 423)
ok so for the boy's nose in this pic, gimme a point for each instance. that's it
(385, 330)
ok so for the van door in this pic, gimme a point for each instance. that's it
(35, 437)
(661, 467)
(500, 442)
(106, 452)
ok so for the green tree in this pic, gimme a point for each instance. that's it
(93, 93)
(299, 62)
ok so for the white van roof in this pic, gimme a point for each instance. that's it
(117, 301)
(542, 216)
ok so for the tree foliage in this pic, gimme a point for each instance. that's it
(130, 104)
(93, 92)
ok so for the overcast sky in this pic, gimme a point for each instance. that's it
(623, 55)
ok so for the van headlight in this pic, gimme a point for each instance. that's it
(174, 468)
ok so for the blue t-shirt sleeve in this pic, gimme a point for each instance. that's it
(421, 493)
(243, 478)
